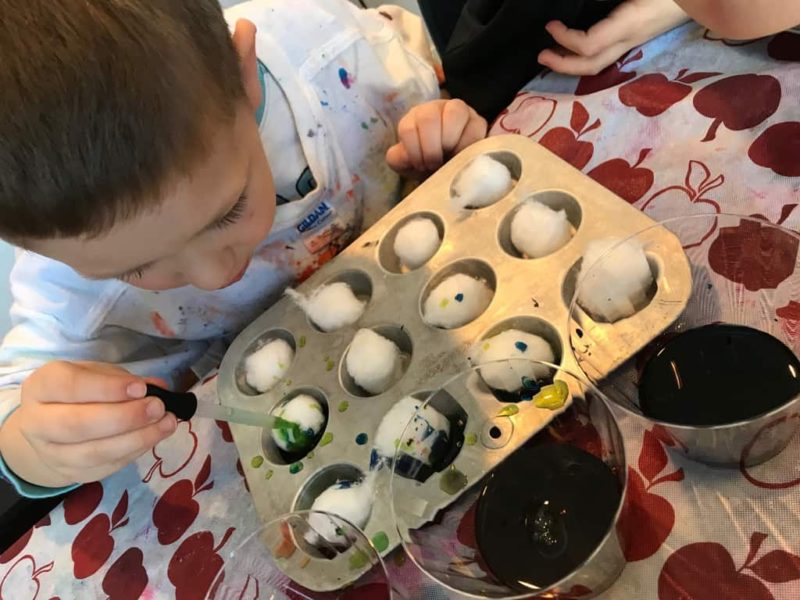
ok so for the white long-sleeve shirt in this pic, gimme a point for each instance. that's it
(346, 76)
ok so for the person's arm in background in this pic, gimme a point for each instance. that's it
(631, 24)
(744, 19)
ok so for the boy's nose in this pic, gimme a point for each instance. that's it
(211, 272)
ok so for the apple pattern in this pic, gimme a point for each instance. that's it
(688, 199)
(21, 581)
(93, 545)
(126, 579)
(17, 547)
(779, 473)
(173, 453)
(738, 253)
(527, 115)
(629, 182)
(707, 571)
(652, 94)
(82, 502)
(177, 509)
(565, 142)
(739, 102)
(225, 431)
(778, 148)
(611, 76)
(785, 46)
(195, 564)
(647, 519)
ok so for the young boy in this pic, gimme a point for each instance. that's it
(166, 181)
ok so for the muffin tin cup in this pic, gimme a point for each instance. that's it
(613, 362)
(538, 289)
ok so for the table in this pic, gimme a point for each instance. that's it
(685, 124)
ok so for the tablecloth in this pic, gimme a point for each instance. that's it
(686, 124)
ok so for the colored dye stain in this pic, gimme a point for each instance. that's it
(471, 439)
(326, 439)
(362, 438)
(521, 346)
(508, 411)
(364, 125)
(343, 406)
(268, 475)
(552, 396)
(295, 468)
(301, 343)
(459, 297)
(358, 560)
(257, 461)
(443, 302)
(452, 481)
(381, 541)
(329, 364)
(345, 78)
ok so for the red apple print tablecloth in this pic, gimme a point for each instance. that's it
(686, 124)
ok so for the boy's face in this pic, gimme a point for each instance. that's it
(205, 230)
(202, 234)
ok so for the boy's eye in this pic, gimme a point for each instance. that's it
(233, 215)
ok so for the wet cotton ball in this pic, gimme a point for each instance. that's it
(537, 230)
(330, 306)
(456, 301)
(268, 365)
(416, 242)
(419, 439)
(373, 361)
(297, 423)
(616, 286)
(352, 501)
(512, 343)
(481, 183)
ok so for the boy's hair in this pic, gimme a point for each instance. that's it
(102, 104)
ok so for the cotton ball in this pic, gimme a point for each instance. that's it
(456, 301)
(617, 286)
(481, 183)
(268, 365)
(537, 230)
(298, 423)
(330, 306)
(373, 361)
(417, 434)
(416, 242)
(513, 344)
(351, 501)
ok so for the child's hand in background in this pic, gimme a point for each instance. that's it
(80, 422)
(629, 25)
(431, 133)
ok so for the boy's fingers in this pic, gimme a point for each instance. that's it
(595, 40)
(429, 133)
(455, 117)
(572, 64)
(66, 382)
(475, 130)
(73, 423)
(397, 158)
(409, 138)
(108, 452)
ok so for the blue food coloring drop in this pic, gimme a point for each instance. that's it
(362, 439)
(459, 297)
(521, 346)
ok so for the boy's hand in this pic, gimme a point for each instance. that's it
(629, 25)
(433, 132)
(80, 422)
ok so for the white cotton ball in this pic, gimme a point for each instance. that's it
(457, 300)
(416, 242)
(481, 183)
(537, 230)
(418, 439)
(268, 365)
(616, 286)
(352, 501)
(512, 343)
(302, 418)
(373, 361)
(330, 306)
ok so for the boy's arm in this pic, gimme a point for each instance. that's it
(744, 19)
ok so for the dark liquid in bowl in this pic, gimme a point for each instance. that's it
(543, 512)
(718, 374)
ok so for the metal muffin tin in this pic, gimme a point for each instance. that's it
(530, 294)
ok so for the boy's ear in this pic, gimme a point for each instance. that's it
(244, 40)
